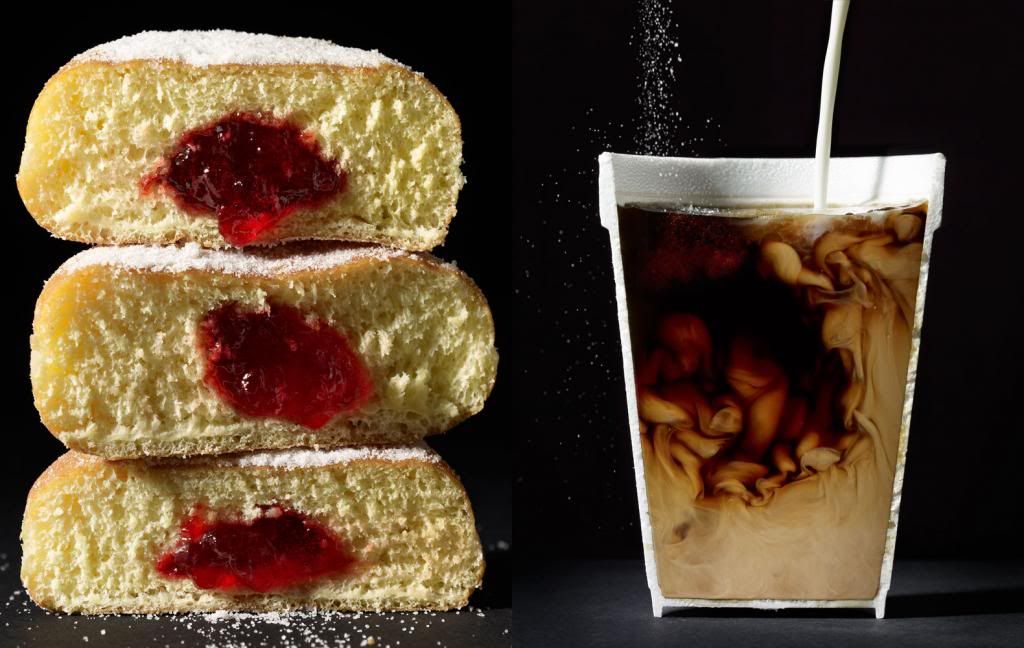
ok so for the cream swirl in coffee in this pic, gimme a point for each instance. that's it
(771, 349)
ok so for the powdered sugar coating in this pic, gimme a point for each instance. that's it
(226, 47)
(264, 262)
(309, 458)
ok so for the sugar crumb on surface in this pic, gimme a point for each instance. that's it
(311, 457)
(271, 261)
(304, 457)
(226, 47)
(235, 629)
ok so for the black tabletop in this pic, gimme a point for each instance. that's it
(486, 622)
(934, 604)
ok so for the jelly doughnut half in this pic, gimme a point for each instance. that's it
(178, 351)
(232, 139)
(385, 528)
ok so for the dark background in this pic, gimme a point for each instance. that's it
(428, 40)
(916, 77)
(542, 88)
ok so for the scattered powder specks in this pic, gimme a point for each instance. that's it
(658, 55)
(24, 625)
(567, 282)
(224, 47)
(219, 616)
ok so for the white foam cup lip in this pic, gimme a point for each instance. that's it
(735, 182)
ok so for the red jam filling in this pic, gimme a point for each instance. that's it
(278, 549)
(250, 171)
(277, 363)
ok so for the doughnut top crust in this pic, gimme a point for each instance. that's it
(265, 262)
(226, 47)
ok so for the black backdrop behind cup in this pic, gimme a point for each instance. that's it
(916, 77)
(542, 88)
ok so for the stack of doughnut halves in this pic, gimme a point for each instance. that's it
(245, 367)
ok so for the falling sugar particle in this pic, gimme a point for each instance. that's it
(658, 55)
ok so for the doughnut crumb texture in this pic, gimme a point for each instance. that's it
(117, 114)
(96, 533)
(122, 366)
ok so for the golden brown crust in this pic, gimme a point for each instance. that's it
(65, 465)
(142, 449)
(275, 603)
(411, 244)
(72, 462)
